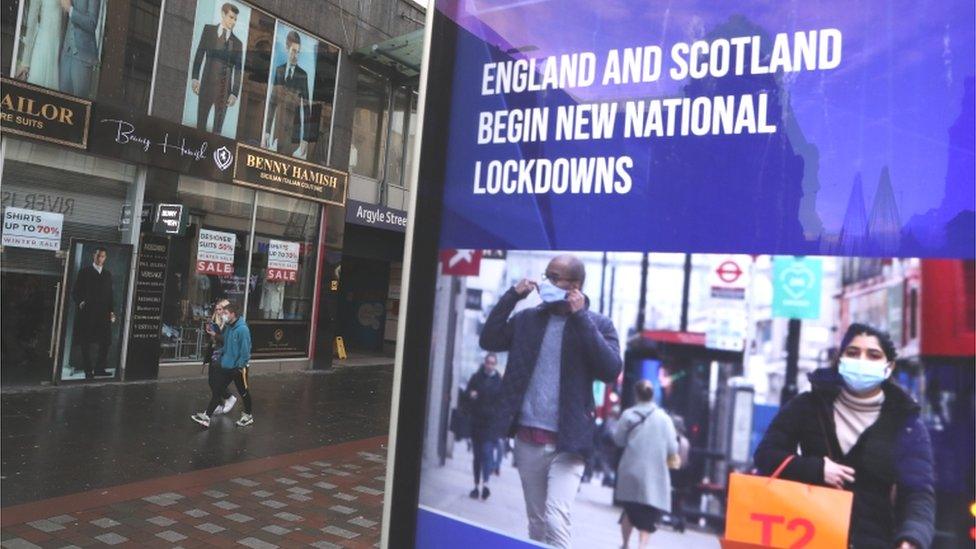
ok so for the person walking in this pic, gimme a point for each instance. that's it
(556, 351)
(650, 442)
(483, 389)
(211, 358)
(233, 364)
(858, 431)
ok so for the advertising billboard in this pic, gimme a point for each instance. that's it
(623, 156)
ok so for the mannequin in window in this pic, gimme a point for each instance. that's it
(272, 298)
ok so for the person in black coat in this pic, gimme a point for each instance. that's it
(95, 302)
(858, 431)
(482, 392)
(218, 80)
(556, 351)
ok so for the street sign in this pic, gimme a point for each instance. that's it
(729, 277)
(461, 262)
(797, 283)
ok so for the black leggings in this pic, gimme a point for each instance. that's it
(218, 387)
(214, 377)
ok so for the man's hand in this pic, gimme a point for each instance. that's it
(195, 85)
(576, 300)
(303, 148)
(66, 5)
(907, 545)
(22, 72)
(231, 99)
(525, 287)
(836, 474)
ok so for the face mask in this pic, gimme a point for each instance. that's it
(550, 293)
(225, 317)
(862, 375)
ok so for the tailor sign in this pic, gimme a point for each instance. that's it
(797, 283)
(39, 113)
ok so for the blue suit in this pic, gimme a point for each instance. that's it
(79, 50)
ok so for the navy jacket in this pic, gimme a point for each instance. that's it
(483, 407)
(894, 498)
(590, 351)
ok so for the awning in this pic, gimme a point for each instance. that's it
(403, 53)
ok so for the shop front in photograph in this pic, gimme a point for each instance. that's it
(139, 189)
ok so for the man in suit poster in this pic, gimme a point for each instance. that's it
(288, 126)
(216, 67)
(94, 298)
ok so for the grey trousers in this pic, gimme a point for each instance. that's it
(75, 77)
(550, 480)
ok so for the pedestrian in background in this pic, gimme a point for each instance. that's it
(233, 364)
(482, 391)
(211, 357)
(649, 441)
(555, 352)
(858, 431)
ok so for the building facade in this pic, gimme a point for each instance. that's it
(160, 155)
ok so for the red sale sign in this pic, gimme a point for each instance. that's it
(282, 261)
(215, 253)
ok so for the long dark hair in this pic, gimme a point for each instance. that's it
(856, 329)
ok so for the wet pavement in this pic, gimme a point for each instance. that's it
(73, 439)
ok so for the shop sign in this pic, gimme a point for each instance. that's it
(282, 261)
(279, 338)
(273, 172)
(147, 308)
(32, 111)
(32, 229)
(143, 139)
(215, 253)
(374, 215)
(170, 219)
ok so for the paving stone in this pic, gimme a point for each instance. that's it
(196, 513)
(238, 517)
(273, 503)
(299, 497)
(262, 494)
(341, 532)
(345, 497)
(62, 519)
(105, 523)
(210, 528)
(171, 536)
(307, 475)
(325, 485)
(325, 545)
(367, 490)
(289, 517)
(364, 522)
(245, 482)
(19, 543)
(338, 472)
(160, 500)
(287, 481)
(343, 509)
(216, 494)
(297, 490)
(45, 526)
(255, 543)
(322, 463)
(301, 468)
(161, 521)
(111, 538)
(226, 505)
(276, 530)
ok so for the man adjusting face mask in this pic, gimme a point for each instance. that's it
(550, 293)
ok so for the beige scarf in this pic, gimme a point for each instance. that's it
(852, 415)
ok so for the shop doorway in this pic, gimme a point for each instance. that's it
(362, 303)
(28, 335)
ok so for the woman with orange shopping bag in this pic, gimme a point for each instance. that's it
(858, 431)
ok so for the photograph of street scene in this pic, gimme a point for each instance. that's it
(578, 397)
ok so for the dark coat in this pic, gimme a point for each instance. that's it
(221, 74)
(894, 497)
(93, 321)
(483, 407)
(590, 351)
(288, 106)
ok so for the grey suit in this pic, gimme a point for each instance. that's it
(79, 51)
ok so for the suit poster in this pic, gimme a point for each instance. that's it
(94, 309)
(217, 56)
(59, 45)
(288, 126)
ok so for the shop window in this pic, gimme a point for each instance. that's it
(8, 33)
(217, 213)
(130, 53)
(369, 125)
(286, 234)
(412, 123)
(399, 119)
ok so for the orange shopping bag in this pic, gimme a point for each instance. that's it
(771, 512)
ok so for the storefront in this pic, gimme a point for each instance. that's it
(157, 202)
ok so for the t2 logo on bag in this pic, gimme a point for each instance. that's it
(799, 529)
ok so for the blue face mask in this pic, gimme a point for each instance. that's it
(861, 375)
(550, 293)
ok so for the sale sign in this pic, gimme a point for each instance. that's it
(32, 229)
(283, 261)
(215, 253)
